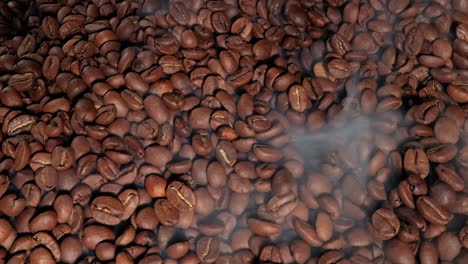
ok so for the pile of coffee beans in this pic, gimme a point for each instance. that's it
(235, 131)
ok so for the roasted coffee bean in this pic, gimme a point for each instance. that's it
(167, 214)
(180, 12)
(441, 153)
(6, 230)
(263, 228)
(47, 241)
(428, 252)
(339, 68)
(443, 194)
(226, 153)
(181, 196)
(178, 250)
(267, 153)
(448, 246)
(448, 174)
(307, 233)
(432, 211)
(107, 210)
(156, 109)
(22, 155)
(216, 175)
(62, 158)
(158, 156)
(298, 98)
(233, 131)
(155, 186)
(324, 226)
(208, 249)
(385, 224)
(398, 251)
(416, 161)
(130, 201)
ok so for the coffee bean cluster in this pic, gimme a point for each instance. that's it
(235, 131)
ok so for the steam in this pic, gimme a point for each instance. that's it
(347, 138)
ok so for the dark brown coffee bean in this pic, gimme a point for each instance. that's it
(41, 255)
(457, 93)
(158, 156)
(267, 153)
(211, 227)
(155, 186)
(22, 82)
(208, 249)
(94, 234)
(270, 254)
(398, 251)
(146, 219)
(417, 162)
(156, 109)
(105, 251)
(5, 230)
(441, 153)
(181, 196)
(178, 250)
(408, 233)
(45, 221)
(50, 27)
(107, 210)
(448, 174)
(307, 233)
(432, 211)
(385, 224)
(428, 252)
(446, 131)
(107, 168)
(63, 205)
(12, 205)
(448, 246)
(262, 227)
(405, 194)
(49, 242)
(358, 237)
(130, 201)
(283, 82)
(22, 155)
(216, 174)
(180, 12)
(62, 158)
(339, 68)
(324, 226)
(199, 118)
(167, 214)
(443, 194)
(201, 144)
(20, 124)
(426, 113)
(226, 153)
(220, 22)
(417, 185)
(240, 78)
